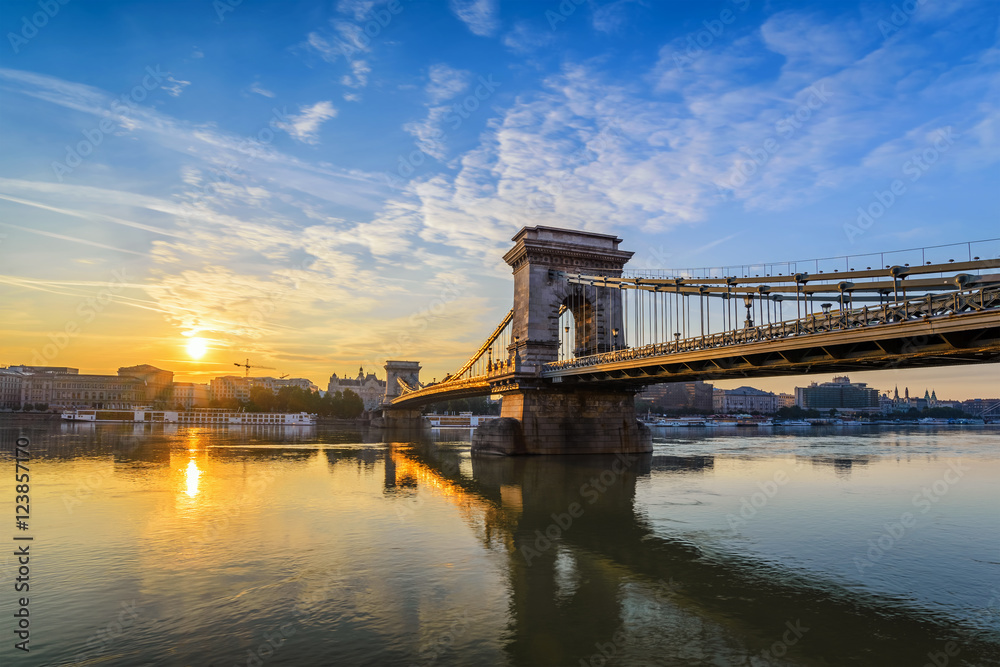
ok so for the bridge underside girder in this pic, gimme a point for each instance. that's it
(961, 339)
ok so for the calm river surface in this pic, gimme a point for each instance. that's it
(311, 546)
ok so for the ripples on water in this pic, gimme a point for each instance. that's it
(299, 546)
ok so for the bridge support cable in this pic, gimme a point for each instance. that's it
(494, 350)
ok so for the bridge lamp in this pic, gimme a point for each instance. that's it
(614, 340)
(845, 288)
(748, 302)
(826, 307)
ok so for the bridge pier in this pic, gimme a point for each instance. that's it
(402, 424)
(559, 421)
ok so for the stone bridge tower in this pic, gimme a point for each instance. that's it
(540, 417)
(407, 371)
(403, 423)
(539, 298)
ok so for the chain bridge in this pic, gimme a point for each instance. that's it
(584, 335)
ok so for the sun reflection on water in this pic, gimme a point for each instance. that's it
(193, 473)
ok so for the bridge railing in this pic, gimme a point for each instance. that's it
(929, 306)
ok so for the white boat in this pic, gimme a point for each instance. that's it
(792, 422)
(206, 417)
(461, 420)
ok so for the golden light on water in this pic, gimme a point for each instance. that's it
(193, 473)
(197, 347)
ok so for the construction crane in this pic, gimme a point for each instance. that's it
(246, 365)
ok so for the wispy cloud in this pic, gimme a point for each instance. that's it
(174, 87)
(358, 76)
(446, 82)
(611, 17)
(73, 239)
(428, 132)
(260, 90)
(479, 15)
(305, 126)
(526, 38)
(88, 215)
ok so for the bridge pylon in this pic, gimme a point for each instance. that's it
(540, 417)
(400, 376)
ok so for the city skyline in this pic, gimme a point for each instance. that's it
(342, 191)
(772, 385)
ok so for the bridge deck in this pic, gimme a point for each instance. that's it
(957, 339)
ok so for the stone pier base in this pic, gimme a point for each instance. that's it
(549, 421)
(401, 424)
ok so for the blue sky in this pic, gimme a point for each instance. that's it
(319, 185)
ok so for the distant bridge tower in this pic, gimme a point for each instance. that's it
(540, 417)
(407, 371)
(402, 423)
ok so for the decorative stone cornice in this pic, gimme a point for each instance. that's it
(563, 256)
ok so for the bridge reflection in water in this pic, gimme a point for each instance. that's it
(589, 576)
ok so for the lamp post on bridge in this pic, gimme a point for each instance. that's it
(748, 302)
(845, 288)
(826, 311)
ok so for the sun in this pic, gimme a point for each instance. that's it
(197, 347)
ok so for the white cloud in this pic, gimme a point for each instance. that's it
(260, 90)
(358, 9)
(811, 46)
(610, 18)
(358, 78)
(479, 15)
(525, 38)
(174, 90)
(446, 82)
(305, 126)
(347, 40)
(352, 97)
(428, 132)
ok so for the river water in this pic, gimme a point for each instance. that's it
(166, 545)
